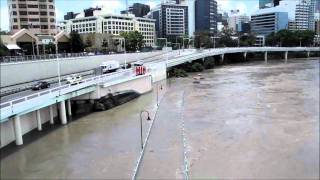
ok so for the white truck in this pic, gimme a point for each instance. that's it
(109, 66)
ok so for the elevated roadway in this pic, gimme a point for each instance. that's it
(12, 109)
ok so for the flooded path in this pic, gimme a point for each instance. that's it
(247, 120)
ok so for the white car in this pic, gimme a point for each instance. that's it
(138, 63)
(74, 79)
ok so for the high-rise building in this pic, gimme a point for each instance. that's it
(36, 15)
(171, 20)
(268, 3)
(269, 20)
(302, 15)
(206, 16)
(317, 27)
(112, 24)
(312, 10)
(70, 15)
(90, 11)
(235, 20)
(138, 10)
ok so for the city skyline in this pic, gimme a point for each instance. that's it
(115, 6)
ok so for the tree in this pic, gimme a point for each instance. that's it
(202, 39)
(288, 38)
(226, 38)
(247, 39)
(76, 42)
(3, 50)
(134, 40)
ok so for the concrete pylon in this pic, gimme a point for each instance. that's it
(69, 107)
(286, 56)
(39, 123)
(17, 130)
(245, 56)
(62, 111)
(308, 54)
(222, 58)
(51, 114)
(266, 56)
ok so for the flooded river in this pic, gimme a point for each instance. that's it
(250, 120)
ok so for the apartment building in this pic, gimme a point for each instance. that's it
(206, 16)
(36, 15)
(112, 24)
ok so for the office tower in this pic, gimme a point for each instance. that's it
(206, 16)
(171, 20)
(266, 22)
(138, 10)
(36, 15)
(268, 3)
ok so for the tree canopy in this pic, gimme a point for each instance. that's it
(289, 38)
(76, 42)
(134, 40)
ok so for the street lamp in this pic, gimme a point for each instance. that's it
(158, 93)
(166, 48)
(58, 63)
(148, 119)
(300, 41)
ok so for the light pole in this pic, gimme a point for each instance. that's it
(158, 93)
(125, 54)
(166, 48)
(300, 41)
(58, 63)
(179, 46)
(148, 119)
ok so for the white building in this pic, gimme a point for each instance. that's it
(112, 24)
(235, 20)
(302, 15)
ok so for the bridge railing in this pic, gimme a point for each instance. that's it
(9, 59)
(16, 105)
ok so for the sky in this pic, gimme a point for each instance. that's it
(115, 6)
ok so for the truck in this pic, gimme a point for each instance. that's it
(109, 66)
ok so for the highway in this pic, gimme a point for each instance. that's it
(27, 92)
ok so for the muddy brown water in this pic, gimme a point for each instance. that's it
(251, 120)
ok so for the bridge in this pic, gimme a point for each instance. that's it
(43, 103)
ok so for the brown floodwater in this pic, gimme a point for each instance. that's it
(250, 120)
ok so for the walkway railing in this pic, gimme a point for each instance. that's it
(8, 59)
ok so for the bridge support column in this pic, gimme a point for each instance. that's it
(39, 123)
(286, 56)
(63, 115)
(51, 114)
(245, 56)
(17, 130)
(308, 54)
(222, 58)
(266, 56)
(69, 107)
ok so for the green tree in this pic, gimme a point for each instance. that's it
(134, 40)
(202, 39)
(3, 50)
(76, 42)
(226, 38)
(247, 39)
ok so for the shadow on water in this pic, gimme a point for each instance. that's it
(79, 109)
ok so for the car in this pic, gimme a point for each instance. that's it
(40, 85)
(138, 63)
(74, 79)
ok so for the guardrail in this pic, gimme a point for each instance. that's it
(8, 59)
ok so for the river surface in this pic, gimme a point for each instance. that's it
(250, 120)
